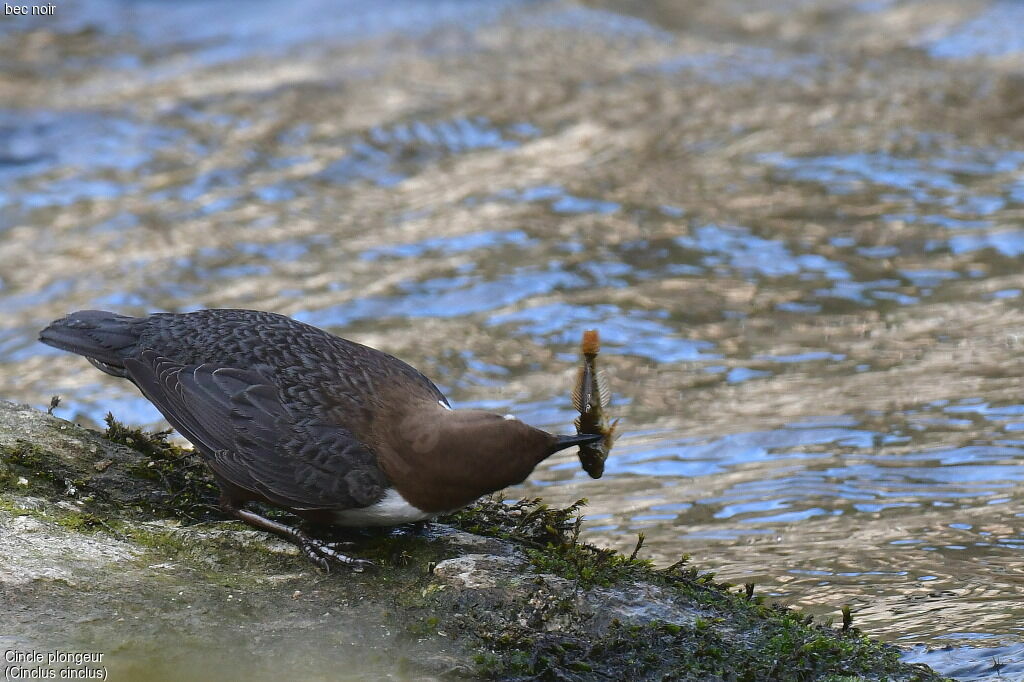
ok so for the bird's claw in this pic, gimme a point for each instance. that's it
(323, 554)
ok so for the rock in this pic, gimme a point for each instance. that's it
(111, 549)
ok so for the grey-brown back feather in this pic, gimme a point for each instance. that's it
(279, 408)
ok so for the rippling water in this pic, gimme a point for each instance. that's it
(799, 229)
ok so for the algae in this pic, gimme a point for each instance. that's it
(191, 491)
(499, 590)
(739, 637)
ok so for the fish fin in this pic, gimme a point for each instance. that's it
(610, 434)
(604, 394)
(577, 391)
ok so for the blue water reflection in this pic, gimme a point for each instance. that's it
(739, 249)
(451, 245)
(993, 32)
(447, 297)
(386, 156)
(622, 331)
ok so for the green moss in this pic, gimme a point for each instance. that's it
(189, 492)
(72, 519)
(15, 510)
(192, 493)
(6, 474)
(541, 635)
(162, 541)
(44, 474)
(654, 651)
(551, 539)
(80, 521)
(531, 628)
(397, 549)
(29, 459)
(529, 521)
(153, 444)
(223, 558)
(488, 663)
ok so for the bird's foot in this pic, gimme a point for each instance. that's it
(320, 552)
(323, 554)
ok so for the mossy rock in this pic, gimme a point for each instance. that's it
(118, 547)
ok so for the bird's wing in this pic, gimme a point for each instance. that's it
(236, 418)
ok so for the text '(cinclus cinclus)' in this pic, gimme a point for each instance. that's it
(286, 414)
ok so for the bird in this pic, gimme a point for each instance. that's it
(287, 415)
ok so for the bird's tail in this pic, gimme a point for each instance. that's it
(106, 339)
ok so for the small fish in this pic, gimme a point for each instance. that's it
(590, 396)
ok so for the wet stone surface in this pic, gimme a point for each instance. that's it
(799, 228)
(87, 564)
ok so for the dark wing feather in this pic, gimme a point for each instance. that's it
(250, 439)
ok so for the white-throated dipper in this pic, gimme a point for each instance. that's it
(289, 415)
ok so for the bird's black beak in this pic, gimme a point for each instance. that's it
(564, 442)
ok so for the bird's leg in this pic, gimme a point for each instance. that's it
(319, 552)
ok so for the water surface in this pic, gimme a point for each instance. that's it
(799, 230)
